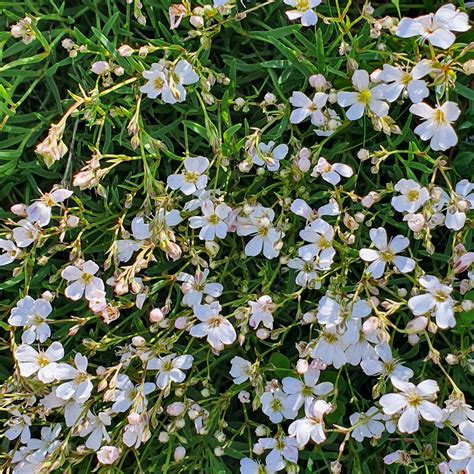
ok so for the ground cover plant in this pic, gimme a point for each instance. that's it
(236, 236)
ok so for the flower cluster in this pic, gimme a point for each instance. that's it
(269, 247)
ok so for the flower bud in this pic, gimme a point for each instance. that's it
(179, 454)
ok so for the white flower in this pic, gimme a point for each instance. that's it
(249, 466)
(436, 28)
(72, 410)
(25, 233)
(169, 80)
(301, 208)
(462, 453)
(437, 125)
(95, 430)
(386, 365)
(261, 312)
(44, 363)
(79, 386)
(269, 155)
(307, 272)
(386, 253)
(170, 368)
(331, 172)
(312, 426)
(241, 370)
(364, 97)
(140, 231)
(330, 312)
(436, 300)
(368, 424)
(412, 196)
(32, 315)
(8, 252)
(156, 78)
(18, 427)
(411, 403)
(359, 348)
(259, 224)
(137, 431)
(108, 454)
(331, 345)
(305, 107)
(215, 327)
(40, 211)
(82, 280)
(461, 202)
(303, 11)
(319, 234)
(283, 448)
(399, 80)
(212, 222)
(194, 287)
(193, 178)
(127, 395)
(273, 405)
(457, 410)
(182, 74)
(304, 392)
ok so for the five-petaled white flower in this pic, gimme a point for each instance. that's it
(304, 392)
(412, 196)
(194, 287)
(82, 280)
(412, 402)
(386, 253)
(95, 429)
(192, 178)
(212, 222)
(213, 325)
(241, 370)
(79, 386)
(42, 363)
(306, 107)
(303, 11)
(273, 405)
(365, 97)
(436, 300)
(25, 233)
(40, 211)
(282, 448)
(368, 424)
(437, 124)
(460, 202)
(261, 312)
(312, 425)
(32, 315)
(436, 27)
(127, 395)
(331, 172)
(269, 155)
(399, 80)
(170, 368)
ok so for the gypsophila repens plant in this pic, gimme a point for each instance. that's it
(236, 236)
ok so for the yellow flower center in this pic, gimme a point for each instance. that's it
(302, 5)
(191, 177)
(276, 405)
(364, 96)
(412, 195)
(42, 361)
(213, 219)
(439, 116)
(414, 399)
(386, 255)
(87, 278)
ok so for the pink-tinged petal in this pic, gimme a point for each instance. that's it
(343, 170)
